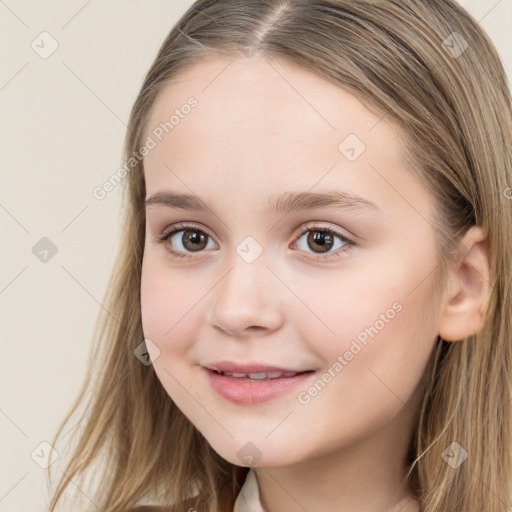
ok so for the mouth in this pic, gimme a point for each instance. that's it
(248, 388)
(259, 376)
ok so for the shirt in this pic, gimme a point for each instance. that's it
(248, 499)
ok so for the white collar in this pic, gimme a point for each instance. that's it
(248, 499)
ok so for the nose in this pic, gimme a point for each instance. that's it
(246, 300)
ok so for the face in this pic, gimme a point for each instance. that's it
(339, 290)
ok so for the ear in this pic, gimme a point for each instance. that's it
(467, 294)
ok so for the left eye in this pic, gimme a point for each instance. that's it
(323, 238)
(194, 239)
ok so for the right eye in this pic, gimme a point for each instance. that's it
(192, 239)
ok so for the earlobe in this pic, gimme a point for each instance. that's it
(467, 294)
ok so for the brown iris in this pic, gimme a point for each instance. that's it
(322, 238)
(197, 239)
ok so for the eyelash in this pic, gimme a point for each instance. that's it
(162, 238)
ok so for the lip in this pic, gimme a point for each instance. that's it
(250, 367)
(246, 391)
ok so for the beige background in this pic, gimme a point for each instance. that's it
(62, 126)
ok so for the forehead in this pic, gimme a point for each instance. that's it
(271, 91)
(260, 124)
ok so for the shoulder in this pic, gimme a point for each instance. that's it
(150, 508)
(187, 506)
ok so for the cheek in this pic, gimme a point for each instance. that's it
(376, 358)
(169, 303)
(169, 308)
(340, 305)
(376, 320)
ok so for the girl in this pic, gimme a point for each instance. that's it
(311, 306)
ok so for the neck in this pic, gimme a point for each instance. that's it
(365, 476)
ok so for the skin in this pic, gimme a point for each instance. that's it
(261, 128)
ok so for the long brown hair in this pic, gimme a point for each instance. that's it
(431, 69)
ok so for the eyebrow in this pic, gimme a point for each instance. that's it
(285, 203)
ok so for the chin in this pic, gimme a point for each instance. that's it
(258, 452)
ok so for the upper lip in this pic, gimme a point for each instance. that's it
(229, 366)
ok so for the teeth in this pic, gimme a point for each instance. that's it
(260, 375)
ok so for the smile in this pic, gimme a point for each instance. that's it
(253, 388)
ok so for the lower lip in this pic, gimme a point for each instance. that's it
(246, 391)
